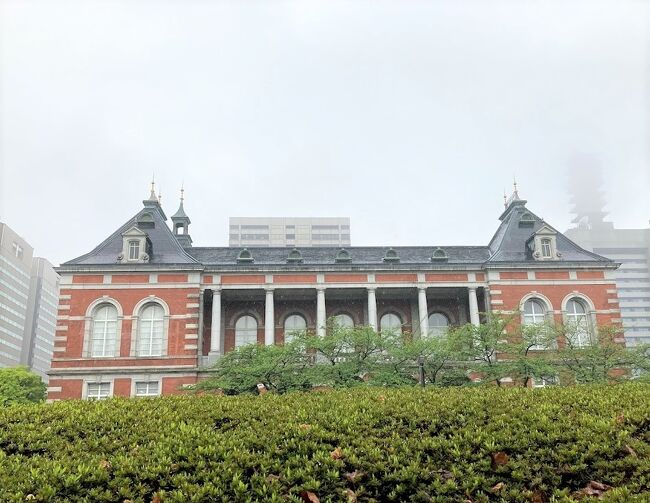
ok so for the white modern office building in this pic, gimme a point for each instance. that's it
(630, 247)
(252, 232)
(28, 305)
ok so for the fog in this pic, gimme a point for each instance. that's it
(410, 117)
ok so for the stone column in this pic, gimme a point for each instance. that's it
(372, 308)
(321, 319)
(423, 311)
(473, 307)
(269, 319)
(215, 329)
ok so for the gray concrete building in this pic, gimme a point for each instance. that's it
(252, 232)
(630, 247)
(28, 304)
(38, 343)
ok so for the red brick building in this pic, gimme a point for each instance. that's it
(145, 312)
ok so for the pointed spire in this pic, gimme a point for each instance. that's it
(152, 194)
(505, 199)
(160, 196)
(515, 194)
(182, 192)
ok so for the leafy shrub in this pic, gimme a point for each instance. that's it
(369, 444)
(20, 386)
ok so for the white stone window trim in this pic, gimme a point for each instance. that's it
(97, 381)
(545, 234)
(135, 325)
(130, 236)
(590, 314)
(88, 327)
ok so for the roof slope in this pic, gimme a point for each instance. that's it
(360, 255)
(166, 248)
(509, 241)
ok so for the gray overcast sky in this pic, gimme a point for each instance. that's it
(409, 117)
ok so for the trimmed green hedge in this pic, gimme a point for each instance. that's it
(480, 444)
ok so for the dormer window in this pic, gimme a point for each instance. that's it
(136, 246)
(543, 244)
(134, 250)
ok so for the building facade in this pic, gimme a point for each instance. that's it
(255, 232)
(145, 312)
(40, 327)
(630, 247)
(28, 305)
(15, 269)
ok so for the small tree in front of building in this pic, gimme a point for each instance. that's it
(599, 358)
(20, 386)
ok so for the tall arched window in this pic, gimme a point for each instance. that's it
(104, 331)
(535, 315)
(151, 325)
(294, 325)
(390, 323)
(534, 312)
(438, 324)
(344, 320)
(578, 320)
(245, 331)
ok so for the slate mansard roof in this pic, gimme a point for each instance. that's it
(508, 247)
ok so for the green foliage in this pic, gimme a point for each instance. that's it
(604, 360)
(279, 368)
(20, 386)
(499, 351)
(365, 445)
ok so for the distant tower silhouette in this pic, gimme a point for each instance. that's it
(587, 196)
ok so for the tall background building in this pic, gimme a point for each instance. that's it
(630, 247)
(276, 231)
(28, 305)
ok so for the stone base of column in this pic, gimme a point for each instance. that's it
(211, 359)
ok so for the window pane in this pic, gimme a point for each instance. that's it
(245, 331)
(147, 388)
(151, 330)
(292, 325)
(98, 391)
(438, 324)
(391, 323)
(344, 320)
(534, 312)
(104, 331)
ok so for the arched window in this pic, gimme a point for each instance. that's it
(390, 323)
(151, 325)
(534, 312)
(104, 331)
(294, 325)
(245, 331)
(578, 320)
(344, 320)
(438, 324)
